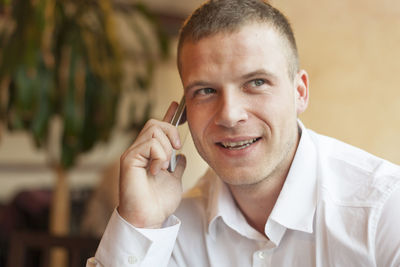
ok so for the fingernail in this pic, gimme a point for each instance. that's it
(178, 143)
(165, 165)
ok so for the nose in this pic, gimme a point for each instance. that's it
(231, 110)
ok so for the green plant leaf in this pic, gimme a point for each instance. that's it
(40, 122)
(63, 59)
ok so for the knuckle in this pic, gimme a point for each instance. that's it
(154, 142)
(163, 157)
(155, 129)
(152, 122)
(149, 124)
(124, 155)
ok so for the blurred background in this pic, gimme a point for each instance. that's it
(79, 78)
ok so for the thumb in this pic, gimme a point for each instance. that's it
(180, 166)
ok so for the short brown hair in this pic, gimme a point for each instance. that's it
(215, 16)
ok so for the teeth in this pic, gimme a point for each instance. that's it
(238, 145)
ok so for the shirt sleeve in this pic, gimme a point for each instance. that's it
(124, 245)
(387, 245)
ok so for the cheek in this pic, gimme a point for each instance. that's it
(198, 116)
(274, 111)
(199, 120)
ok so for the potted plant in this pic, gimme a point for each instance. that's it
(61, 63)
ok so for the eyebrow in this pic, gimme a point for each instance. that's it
(196, 84)
(259, 72)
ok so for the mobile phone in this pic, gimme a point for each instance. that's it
(176, 120)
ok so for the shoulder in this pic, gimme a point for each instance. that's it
(349, 175)
(387, 241)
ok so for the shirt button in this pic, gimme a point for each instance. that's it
(132, 260)
(261, 255)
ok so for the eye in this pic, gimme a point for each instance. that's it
(257, 82)
(204, 91)
(255, 85)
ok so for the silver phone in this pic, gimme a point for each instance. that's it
(176, 120)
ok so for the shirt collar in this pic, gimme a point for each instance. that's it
(222, 207)
(295, 206)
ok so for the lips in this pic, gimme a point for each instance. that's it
(238, 144)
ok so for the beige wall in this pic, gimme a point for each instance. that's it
(351, 52)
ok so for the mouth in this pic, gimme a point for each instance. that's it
(238, 145)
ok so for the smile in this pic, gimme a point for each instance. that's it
(238, 145)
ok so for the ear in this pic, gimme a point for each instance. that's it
(301, 94)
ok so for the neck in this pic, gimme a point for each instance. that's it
(256, 201)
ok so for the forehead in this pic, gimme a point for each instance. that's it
(251, 46)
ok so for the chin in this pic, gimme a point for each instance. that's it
(239, 176)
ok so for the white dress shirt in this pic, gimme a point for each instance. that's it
(339, 206)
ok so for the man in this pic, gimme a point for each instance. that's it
(276, 194)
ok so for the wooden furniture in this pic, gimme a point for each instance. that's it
(78, 248)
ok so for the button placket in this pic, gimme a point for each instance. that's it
(262, 258)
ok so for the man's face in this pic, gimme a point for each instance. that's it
(241, 105)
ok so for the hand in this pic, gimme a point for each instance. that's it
(148, 192)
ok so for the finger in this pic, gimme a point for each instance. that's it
(170, 112)
(164, 140)
(180, 166)
(145, 155)
(166, 133)
(157, 129)
(158, 158)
